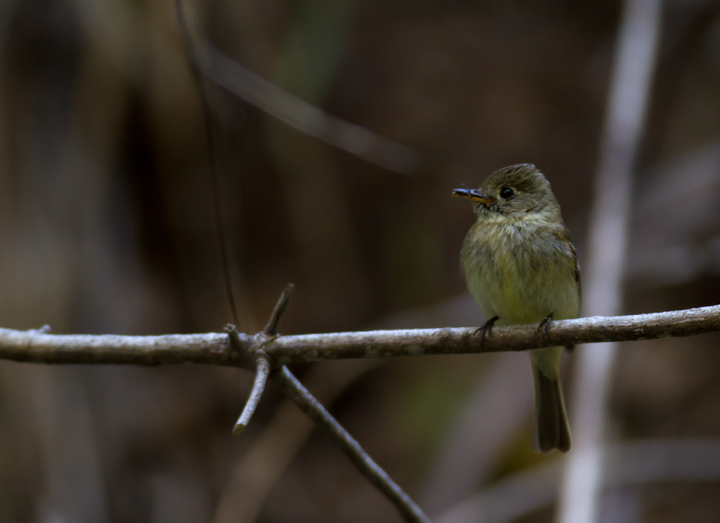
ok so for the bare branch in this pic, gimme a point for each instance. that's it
(261, 376)
(215, 349)
(34, 347)
(464, 340)
(271, 452)
(295, 391)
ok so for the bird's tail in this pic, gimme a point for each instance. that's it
(551, 430)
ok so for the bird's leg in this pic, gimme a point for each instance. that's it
(545, 324)
(485, 329)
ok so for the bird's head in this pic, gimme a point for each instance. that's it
(514, 191)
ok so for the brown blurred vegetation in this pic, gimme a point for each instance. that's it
(106, 227)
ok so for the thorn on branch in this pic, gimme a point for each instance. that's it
(271, 328)
(262, 362)
(236, 344)
(261, 376)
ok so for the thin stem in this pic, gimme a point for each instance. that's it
(261, 376)
(277, 443)
(271, 328)
(214, 171)
(295, 391)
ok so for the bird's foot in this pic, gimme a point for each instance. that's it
(485, 329)
(545, 325)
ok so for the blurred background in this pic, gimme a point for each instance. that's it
(106, 226)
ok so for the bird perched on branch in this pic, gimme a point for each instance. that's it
(521, 267)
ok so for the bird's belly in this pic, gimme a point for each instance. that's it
(523, 292)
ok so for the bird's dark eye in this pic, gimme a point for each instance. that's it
(506, 193)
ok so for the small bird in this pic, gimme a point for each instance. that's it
(521, 267)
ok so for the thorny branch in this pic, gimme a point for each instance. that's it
(267, 348)
(307, 403)
(258, 352)
(38, 346)
(262, 361)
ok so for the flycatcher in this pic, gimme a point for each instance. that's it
(521, 267)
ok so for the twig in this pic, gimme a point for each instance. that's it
(316, 412)
(236, 343)
(215, 349)
(295, 391)
(271, 328)
(271, 452)
(261, 376)
(262, 362)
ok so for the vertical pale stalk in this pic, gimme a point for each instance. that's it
(631, 79)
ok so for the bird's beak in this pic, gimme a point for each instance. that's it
(473, 195)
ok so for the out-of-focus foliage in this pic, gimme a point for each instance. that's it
(106, 227)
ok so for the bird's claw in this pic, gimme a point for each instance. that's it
(485, 329)
(545, 325)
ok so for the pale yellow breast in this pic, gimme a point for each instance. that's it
(519, 275)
